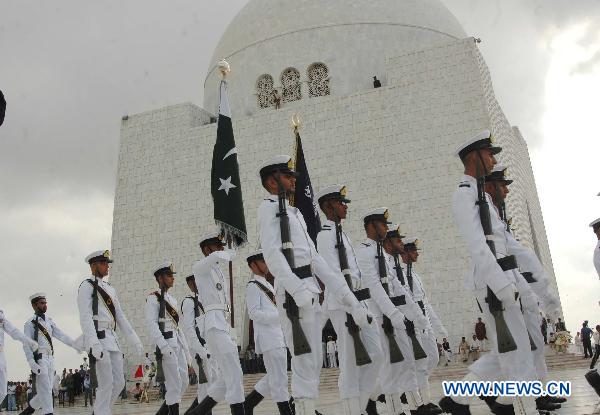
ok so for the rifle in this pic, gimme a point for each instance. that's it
(36, 354)
(506, 342)
(160, 374)
(388, 329)
(201, 373)
(301, 345)
(361, 355)
(93, 375)
(418, 351)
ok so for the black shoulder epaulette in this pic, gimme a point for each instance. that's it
(464, 185)
(326, 228)
(270, 200)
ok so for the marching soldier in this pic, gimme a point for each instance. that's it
(193, 327)
(268, 338)
(172, 353)
(533, 284)
(493, 279)
(213, 294)
(293, 260)
(389, 303)
(356, 383)
(99, 315)
(15, 333)
(414, 285)
(42, 328)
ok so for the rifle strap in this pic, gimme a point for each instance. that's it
(107, 300)
(43, 330)
(170, 309)
(264, 289)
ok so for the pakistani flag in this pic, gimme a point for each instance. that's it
(225, 186)
(304, 196)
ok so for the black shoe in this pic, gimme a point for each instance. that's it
(544, 404)
(251, 401)
(371, 408)
(163, 410)
(433, 408)
(237, 408)
(317, 412)
(192, 406)
(284, 408)
(174, 409)
(381, 398)
(403, 399)
(454, 408)
(205, 407)
(27, 411)
(557, 399)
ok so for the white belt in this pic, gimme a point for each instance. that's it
(220, 307)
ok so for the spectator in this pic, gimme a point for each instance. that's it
(22, 398)
(475, 348)
(147, 361)
(70, 385)
(596, 347)
(578, 344)
(586, 340)
(18, 392)
(376, 82)
(85, 365)
(87, 390)
(463, 349)
(446, 350)
(331, 349)
(545, 330)
(55, 386)
(11, 403)
(480, 333)
(560, 326)
(136, 391)
(152, 374)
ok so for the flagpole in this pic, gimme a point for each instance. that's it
(231, 285)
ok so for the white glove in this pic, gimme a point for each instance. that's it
(166, 351)
(397, 319)
(223, 255)
(421, 322)
(361, 316)
(32, 343)
(139, 348)
(529, 302)
(303, 298)
(507, 295)
(35, 368)
(97, 351)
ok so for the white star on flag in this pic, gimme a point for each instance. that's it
(226, 185)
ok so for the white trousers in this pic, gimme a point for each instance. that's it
(401, 376)
(306, 368)
(111, 381)
(331, 357)
(176, 375)
(356, 381)
(210, 369)
(514, 365)
(42, 401)
(275, 383)
(425, 366)
(533, 321)
(3, 379)
(229, 385)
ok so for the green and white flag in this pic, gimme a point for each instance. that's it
(226, 187)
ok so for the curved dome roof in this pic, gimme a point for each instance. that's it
(265, 24)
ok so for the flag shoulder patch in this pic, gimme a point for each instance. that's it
(366, 244)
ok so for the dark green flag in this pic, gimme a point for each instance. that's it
(226, 188)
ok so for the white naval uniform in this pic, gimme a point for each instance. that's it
(435, 325)
(213, 294)
(268, 340)
(485, 272)
(306, 368)
(597, 258)
(42, 401)
(189, 323)
(354, 381)
(109, 368)
(398, 377)
(175, 365)
(6, 327)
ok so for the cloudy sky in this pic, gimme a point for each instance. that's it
(71, 69)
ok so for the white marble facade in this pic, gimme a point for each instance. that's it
(391, 146)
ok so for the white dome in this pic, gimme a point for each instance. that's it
(352, 37)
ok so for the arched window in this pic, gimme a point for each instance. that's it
(264, 91)
(290, 80)
(318, 80)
